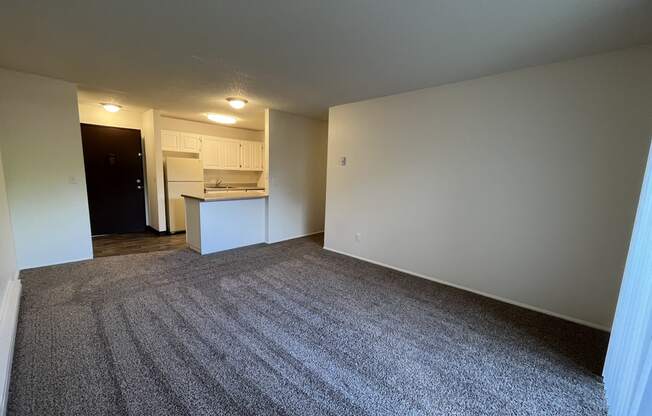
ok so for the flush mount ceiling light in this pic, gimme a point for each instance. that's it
(237, 103)
(221, 118)
(111, 108)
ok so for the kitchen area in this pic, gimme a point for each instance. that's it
(204, 182)
(209, 166)
(215, 189)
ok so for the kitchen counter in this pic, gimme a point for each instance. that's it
(226, 195)
(219, 221)
(232, 188)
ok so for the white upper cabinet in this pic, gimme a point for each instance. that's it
(230, 154)
(169, 140)
(252, 155)
(209, 151)
(175, 141)
(189, 142)
(259, 157)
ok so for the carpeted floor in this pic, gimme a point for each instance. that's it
(286, 329)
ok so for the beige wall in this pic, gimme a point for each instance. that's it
(297, 175)
(96, 114)
(44, 169)
(522, 186)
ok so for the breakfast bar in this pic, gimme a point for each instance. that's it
(224, 221)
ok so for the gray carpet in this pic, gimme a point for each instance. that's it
(286, 329)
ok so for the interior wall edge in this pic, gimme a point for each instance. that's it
(44, 169)
(8, 321)
(627, 372)
(297, 151)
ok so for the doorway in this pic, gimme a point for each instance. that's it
(114, 179)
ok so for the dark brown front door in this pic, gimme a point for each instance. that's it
(114, 179)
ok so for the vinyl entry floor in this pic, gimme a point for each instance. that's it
(134, 243)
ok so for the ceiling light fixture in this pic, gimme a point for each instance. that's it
(111, 108)
(237, 103)
(220, 118)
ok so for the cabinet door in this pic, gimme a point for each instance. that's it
(209, 151)
(228, 154)
(189, 142)
(252, 155)
(170, 140)
(247, 155)
(260, 156)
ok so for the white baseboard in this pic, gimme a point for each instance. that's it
(296, 236)
(8, 320)
(477, 292)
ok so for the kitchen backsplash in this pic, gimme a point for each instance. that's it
(231, 176)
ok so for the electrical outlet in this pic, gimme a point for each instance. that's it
(357, 237)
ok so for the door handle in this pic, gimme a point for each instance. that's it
(139, 187)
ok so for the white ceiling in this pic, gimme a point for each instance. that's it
(301, 56)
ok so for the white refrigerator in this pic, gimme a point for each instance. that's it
(182, 176)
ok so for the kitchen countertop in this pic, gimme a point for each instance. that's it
(225, 196)
(234, 187)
